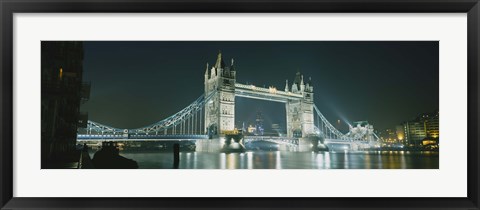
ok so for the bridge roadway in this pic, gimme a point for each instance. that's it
(337, 141)
(122, 137)
(271, 94)
(132, 137)
(273, 139)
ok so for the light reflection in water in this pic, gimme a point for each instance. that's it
(278, 162)
(250, 160)
(346, 160)
(242, 160)
(367, 161)
(223, 161)
(402, 160)
(379, 160)
(232, 160)
(189, 159)
(288, 160)
(194, 159)
(327, 160)
(320, 160)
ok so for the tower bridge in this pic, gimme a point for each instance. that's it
(213, 114)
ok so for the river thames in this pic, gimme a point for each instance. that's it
(288, 160)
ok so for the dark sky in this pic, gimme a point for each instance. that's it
(135, 84)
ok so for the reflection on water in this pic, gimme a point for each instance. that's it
(288, 160)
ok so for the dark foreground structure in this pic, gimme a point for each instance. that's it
(62, 92)
(108, 158)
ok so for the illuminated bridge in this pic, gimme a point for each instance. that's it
(213, 113)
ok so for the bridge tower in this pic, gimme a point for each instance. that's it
(220, 112)
(300, 121)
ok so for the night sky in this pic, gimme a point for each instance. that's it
(134, 84)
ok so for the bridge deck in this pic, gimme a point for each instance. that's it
(272, 94)
(100, 137)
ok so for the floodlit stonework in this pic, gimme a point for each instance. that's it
(220, 112)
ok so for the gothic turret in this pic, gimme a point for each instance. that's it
(302, 85)
(286, 85)
(219, 64)
(296, 82)
(213, 72)
(310, 84)
(219, 113)
(206, 72)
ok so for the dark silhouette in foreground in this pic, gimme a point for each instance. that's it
(108, 158)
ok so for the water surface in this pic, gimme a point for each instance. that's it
(288, 160)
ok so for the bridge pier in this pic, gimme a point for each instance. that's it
(233, 143)
(311, 143)
(210, 145)
(227, 143)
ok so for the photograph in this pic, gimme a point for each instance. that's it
(240, 105)
(250, 105)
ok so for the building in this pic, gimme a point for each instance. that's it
(251, 129)
(433, 128)
(220, 84)
(400, 133)
(259, 124)
(422, 131)
(300, 112)
(393, 136)
(220, 114)
(62, 92)
(389, 136)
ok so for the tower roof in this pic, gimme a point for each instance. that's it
(220, 63)
(297, 80)
(232, 67)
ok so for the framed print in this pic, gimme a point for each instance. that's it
(239, 105)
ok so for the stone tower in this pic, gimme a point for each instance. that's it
(300, 122)
(220, 112)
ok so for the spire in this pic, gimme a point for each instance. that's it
(302, 85)
(206, 70)
(213, 72)
(232, 62)
(219, 64)
(297, 81)
(311, 84)
(286, 85)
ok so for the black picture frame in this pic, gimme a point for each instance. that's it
(10, 7)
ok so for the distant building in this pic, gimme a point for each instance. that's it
(393, 136)
(400, 133)
(389, 136)
(62, 92)
(433, 128)
(251, 129)
(259, 129)
(422, 131)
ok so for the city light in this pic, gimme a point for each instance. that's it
(175, 114)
